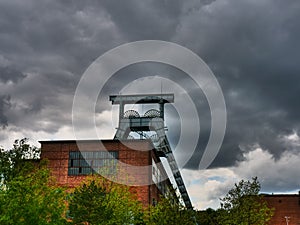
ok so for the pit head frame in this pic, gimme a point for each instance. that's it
(152, 120)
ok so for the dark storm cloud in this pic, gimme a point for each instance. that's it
(139, 20)
(54, 33)
(4, 103)
(10, 74)
(251, 46)
(52, 42)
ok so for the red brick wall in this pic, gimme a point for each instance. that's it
(284, 205)
(57, 152)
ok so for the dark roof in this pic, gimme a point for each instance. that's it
(280, 195)
(94, 140)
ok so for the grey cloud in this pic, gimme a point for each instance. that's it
(276, 175)
(145, 20)
(52, 42)
(251, 48)
(4, 104)
(10, 74)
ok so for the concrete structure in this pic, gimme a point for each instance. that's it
(71, 166)
(286, 209)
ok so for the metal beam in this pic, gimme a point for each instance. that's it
(141, 99)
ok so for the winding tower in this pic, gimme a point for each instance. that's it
(151, 121)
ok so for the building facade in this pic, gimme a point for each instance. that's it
(286, 209)
(132, 162)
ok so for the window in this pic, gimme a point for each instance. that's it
(85, 163)
(157, 178)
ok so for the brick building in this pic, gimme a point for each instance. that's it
(138, 158)
(286, 209)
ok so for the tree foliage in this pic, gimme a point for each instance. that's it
(99, 201)
(28, 194)
(244, 206)
(169, 211)
(31, 199)
(209, 217)
(17, 159)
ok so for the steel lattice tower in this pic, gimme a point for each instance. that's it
(152, 120)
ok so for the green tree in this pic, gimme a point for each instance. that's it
(32, 199)
(169, 211)
(208, 217)
(17, 160)
(28, 194)
(244, 206)
(99, 201)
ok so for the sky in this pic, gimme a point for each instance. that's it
(251, 46)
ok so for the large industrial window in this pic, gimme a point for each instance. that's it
(85, 163)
